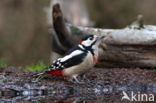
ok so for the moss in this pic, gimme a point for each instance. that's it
(33, 67)
(3, 63)
(38, 66)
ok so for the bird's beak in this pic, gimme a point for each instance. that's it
(100, 37)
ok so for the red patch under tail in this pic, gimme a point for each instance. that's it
(95, 59)
(56, 73)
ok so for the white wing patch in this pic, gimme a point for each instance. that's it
(74, 53)
(81, 46)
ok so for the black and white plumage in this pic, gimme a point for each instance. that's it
(77, 60)
(74, 57)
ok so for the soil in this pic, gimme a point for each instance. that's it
(99, 85)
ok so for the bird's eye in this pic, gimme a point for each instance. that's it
(90, 38)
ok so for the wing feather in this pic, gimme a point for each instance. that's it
(74, 58)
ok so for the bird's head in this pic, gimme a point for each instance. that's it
(91, 40)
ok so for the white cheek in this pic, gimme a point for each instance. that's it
(87, 43)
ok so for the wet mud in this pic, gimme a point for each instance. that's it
(100, 85)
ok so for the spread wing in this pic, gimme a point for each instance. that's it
(74, 58)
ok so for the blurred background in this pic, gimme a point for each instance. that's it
(24, 36)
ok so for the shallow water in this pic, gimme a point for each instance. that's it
(100, 92)
(101, 86)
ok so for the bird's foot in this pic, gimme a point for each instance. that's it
(85, 79)
(75, 79)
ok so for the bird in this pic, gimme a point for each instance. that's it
(77, 60)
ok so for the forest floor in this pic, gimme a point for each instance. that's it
(101, 85)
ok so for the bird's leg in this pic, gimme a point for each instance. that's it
(84, 78)
(75, 79)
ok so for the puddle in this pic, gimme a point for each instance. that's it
(104, 86)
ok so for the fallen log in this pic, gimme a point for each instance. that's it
(132, 46)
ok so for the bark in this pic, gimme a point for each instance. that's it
(132, 46)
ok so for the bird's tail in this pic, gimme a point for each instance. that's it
(39, 73)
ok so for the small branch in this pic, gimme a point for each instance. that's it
(140, 21)
(138, 24)
(62, 38)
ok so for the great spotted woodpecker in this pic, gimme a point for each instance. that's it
(77, 60)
